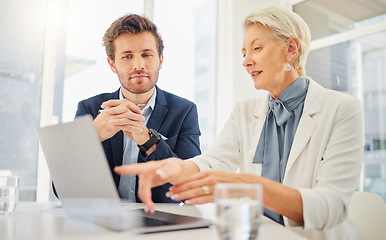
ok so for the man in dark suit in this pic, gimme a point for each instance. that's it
(140, 122)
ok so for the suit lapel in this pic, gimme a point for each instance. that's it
(256, 126)
(160, 111)
(303, 134)
(307, 125)
(117, 148)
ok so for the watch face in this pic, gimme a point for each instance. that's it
(155, 134)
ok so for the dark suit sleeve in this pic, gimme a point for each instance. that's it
(185, 144)
(82, 110)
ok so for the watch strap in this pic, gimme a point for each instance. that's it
(154, 139)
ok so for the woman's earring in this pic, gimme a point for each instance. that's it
(288, 67)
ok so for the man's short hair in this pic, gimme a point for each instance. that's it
(134, 24)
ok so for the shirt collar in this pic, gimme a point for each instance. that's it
(150, 104)
(294, 94)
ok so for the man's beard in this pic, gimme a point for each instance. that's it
(138, 88)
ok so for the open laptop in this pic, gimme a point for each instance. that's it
(85, 185)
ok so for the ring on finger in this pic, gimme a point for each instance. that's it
(205, 190)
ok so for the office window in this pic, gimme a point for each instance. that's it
(326, 17)
(21, 53)
(354, 63)
(189, 32)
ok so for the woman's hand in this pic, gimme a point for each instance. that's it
(155, 173)
(151, 174)
(199, 188)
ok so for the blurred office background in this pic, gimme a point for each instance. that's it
(51, 57)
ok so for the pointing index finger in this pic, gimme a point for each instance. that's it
(128, 169)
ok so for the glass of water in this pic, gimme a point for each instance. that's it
(8, 194)
(238, 210)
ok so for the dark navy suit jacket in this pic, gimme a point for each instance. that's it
(173, 117)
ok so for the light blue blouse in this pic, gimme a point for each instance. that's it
(278, 132)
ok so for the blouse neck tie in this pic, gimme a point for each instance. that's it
(278, 132)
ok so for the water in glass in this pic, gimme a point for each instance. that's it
(238, 219)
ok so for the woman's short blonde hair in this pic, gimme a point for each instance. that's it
(283, 24)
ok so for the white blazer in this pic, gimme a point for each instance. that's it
(324, 163)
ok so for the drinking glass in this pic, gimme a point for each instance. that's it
(238, 210)
(8, 193)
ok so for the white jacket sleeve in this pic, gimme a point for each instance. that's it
(337, 177)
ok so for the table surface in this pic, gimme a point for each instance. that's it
(46, 221)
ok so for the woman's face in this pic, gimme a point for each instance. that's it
(265, 59)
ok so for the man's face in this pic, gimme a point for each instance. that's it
(137, 62)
